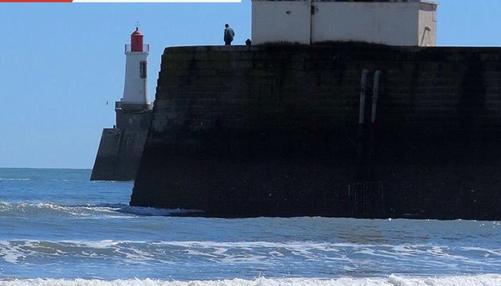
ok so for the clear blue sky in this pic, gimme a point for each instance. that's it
(61, 63)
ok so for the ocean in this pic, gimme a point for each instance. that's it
(58, 228)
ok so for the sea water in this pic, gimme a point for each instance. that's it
(58, 228)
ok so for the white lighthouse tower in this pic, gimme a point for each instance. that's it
(121, 147)
(135, 88)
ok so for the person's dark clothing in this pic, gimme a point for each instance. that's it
(229, 34)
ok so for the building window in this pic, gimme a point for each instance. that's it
(142, 69)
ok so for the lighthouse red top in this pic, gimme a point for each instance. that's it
(136, 41)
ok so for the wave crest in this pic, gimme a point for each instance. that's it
(346, 257)
(101, 210)
(393, 280)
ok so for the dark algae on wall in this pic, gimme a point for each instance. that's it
(339, 129)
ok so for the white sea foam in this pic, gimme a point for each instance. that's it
(142, 251)
(101, 210)
(393, 280)
(263, 253)
(39, 209)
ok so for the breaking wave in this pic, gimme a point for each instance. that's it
(346, 256)
(392, 280)
(99, 210)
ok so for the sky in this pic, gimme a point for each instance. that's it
(61, 63)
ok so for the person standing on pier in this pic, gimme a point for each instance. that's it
(229, 34)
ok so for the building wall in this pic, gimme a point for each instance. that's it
(285, 21)
(427, 26)
(391, 23)
(382, 23)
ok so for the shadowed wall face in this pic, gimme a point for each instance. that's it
(121, 147)
(273, 130)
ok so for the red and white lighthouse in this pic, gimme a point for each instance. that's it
(135, 88)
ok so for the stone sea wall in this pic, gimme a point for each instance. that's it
(121, 147)
(275, 131)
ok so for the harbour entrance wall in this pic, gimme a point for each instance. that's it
(341, 129)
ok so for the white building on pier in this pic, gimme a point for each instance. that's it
(390, 22)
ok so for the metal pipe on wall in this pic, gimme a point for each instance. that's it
(375, 95)
(363, 96)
